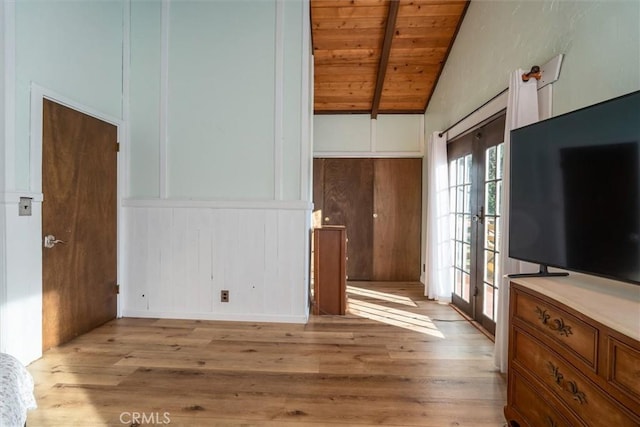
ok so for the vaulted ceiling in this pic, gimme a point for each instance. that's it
(380, 56)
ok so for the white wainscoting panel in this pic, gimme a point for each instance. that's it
(179, 259)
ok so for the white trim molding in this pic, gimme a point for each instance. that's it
(278, 117)
(369, 154)
(217, 316)
(164, 95)
(305, 100)
(125, 146)
(3, 225)
(218, 204)
(13, 198)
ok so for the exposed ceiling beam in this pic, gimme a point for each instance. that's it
(384, 56)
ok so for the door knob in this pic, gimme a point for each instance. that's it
(50, 241)
(375, 215)
(326, 219)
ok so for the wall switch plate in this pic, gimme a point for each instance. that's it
(25, 206)
(224, 296)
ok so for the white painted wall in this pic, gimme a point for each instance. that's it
(73, 48)
(221, 100)
(224, 121)
(209, 117)
(76, 49)
(600, 40)
(357, 135)
(144, 99)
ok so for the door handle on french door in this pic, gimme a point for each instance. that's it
(480, 216)
(50, 241)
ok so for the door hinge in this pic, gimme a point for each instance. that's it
(117, 147)
(117, 289)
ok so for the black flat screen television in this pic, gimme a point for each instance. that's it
(575, 191)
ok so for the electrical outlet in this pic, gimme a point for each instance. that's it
(224, 296)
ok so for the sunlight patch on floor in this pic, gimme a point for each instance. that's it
(397, 299)
(394, 317)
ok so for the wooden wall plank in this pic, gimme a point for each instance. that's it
(346, 56)
(181, 249)
(437, 22)
(337, 3)
(348, 72)
(360, 11)
(348, 24)
(360, 38)
(416, 8)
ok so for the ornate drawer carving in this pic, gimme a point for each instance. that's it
(574, 351)
(567, 330)
(570, 387)
(540, 412)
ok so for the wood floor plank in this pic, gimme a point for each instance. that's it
(395, 359)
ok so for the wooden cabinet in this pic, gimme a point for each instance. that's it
(574, 353)
(330, 270)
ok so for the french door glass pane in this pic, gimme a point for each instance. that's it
(492, 197)
(460, 204)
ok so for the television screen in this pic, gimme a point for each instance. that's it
(575, 190)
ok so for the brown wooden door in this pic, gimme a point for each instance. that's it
(397, 219)
(352, 192)
(348, 201)
(79, 181)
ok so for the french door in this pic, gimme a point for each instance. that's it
(475, 193)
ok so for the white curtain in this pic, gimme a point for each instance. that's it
(438, 253)
(522, 109)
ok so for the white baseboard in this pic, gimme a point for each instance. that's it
(276, 318)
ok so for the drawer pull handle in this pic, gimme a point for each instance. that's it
(550, 422)
(556, 324)
(569, 386)
(577, 394)
(555, 373)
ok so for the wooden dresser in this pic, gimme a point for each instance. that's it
(330, 269)
(574, 352)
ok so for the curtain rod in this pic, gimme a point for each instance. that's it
(467, 116)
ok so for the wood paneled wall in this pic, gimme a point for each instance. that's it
(179, 259)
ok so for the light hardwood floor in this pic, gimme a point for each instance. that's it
(396, 359)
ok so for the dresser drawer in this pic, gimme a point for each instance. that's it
(529, 403)
(624, 369)
(575, 391)
(573, 334)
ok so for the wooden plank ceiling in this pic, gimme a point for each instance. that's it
(380, 56)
